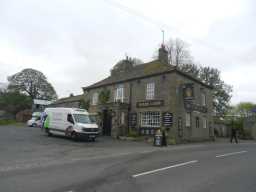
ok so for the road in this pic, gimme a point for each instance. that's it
(30, 161)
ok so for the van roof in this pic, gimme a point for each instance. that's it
(71, 110)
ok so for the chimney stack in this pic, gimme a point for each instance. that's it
(163, 54)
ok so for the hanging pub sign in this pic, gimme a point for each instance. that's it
(189, 106)
(167, 119)
(150, 103)
(132, 120)
(188, 91)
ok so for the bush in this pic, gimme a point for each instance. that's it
(133, 133)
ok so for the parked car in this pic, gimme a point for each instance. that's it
(70, 122)
(35, 121)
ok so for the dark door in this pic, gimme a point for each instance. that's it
(107, 123)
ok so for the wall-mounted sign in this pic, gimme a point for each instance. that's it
(189, 106)
(188, 91)
(167, 119)
(132, 120)
(150, 103)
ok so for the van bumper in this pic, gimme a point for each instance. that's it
(88, 135)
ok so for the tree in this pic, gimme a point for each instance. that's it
(14, 101)
(104, 96)
(33, 83)
(178, 52)
(244, 109)
(84, 104)
(179, 55)
(132, 60)
(211, 76)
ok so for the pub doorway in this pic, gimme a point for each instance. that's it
(107, 123)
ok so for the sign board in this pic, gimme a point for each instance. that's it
(167, 119)
(188, 91)
(150, 103)
(189, 106)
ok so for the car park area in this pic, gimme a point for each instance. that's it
(31, 161)
(23, 146)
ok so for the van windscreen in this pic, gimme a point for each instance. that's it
(81, 118)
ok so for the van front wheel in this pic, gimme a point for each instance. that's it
(74, 136)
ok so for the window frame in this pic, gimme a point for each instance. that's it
(119, 93)
(95, 98)
(150, 119)
(188, 119)
(203, 99)
(197, 122)
(150, 91)
(204, 123)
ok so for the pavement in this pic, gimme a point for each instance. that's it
(31, 161)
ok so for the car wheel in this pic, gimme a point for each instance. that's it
(34, 125)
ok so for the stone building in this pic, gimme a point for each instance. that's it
(73, 101)
(152, 95)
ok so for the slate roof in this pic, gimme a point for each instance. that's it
(140, 71)
(69, 99)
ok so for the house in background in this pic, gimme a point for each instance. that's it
(71, 101)
(153, 95)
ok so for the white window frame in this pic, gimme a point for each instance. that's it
(204, 123)
(197, 122)
(119, 93)
(188, 119)
(122, 118)
(203, 97)
(150, 91)
(95, 98)
(150, 119)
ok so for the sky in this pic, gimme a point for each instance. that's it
(76, 43)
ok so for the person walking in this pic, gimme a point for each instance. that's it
(233, 134)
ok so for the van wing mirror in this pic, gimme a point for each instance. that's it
(70, 119)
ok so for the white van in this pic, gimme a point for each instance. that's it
(71, 122)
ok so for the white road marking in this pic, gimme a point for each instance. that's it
(229, 154)
(164, 168)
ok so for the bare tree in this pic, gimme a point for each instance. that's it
(178, 52)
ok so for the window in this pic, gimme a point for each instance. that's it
(150, 119)
(197, 122)
(95, 98)
(81, 118)
(150, 91)
(204, 123)
(70, 119)
(122, 118)
(119, 96)
(188, 119)
(203, 96)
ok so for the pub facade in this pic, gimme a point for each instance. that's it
(146, 97)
